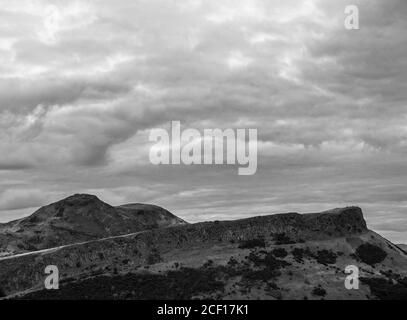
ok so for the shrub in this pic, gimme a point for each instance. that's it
(386, 289)
(326, 257)
(272, 286)
(263, 275)
(253, 243)
(319, 291)
(280, 253)
(232, 262)
(270, 267)
(299, 254)
(183, 284)
(273, 263)
(370, 254)
(208, 264)
(256, 259)
(282, 238)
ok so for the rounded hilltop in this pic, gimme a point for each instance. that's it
(78, 218)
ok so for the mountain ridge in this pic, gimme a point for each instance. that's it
(80, 217)
(280, 256)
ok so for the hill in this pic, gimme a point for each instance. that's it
(79, 218)
(285, 256)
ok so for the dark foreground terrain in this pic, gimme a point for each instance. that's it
(286, 256)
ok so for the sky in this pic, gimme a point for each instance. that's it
(82, 83)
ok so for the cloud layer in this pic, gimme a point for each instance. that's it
(83, 82)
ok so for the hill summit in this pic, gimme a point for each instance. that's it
(78, 218)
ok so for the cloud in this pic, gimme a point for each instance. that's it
(18, 164)
(21, 199)
(82, 84)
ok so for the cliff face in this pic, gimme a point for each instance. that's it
(147, 247)
(290, 227)
(80, 218)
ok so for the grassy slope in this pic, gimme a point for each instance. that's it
(310, 270)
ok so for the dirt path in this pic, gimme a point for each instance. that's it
(51, 250)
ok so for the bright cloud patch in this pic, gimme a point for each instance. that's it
(83, 82)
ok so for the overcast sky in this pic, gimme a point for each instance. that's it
(83, 82)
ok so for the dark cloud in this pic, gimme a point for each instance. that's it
(14, 165)
(81, 85)
(21, 199)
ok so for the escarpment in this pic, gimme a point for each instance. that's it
(129, 252)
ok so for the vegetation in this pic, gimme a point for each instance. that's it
(208, 264)
(253, 243)
(269, 267)
(232, 262)
(370, 254)
(326, 257)
(319, 291)
(282, 238)
(322, 256)
(280, 253)
(273, 263)
(180, 285)
(299, 254)
(262, 275)
(154, 257)
(385, 289)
